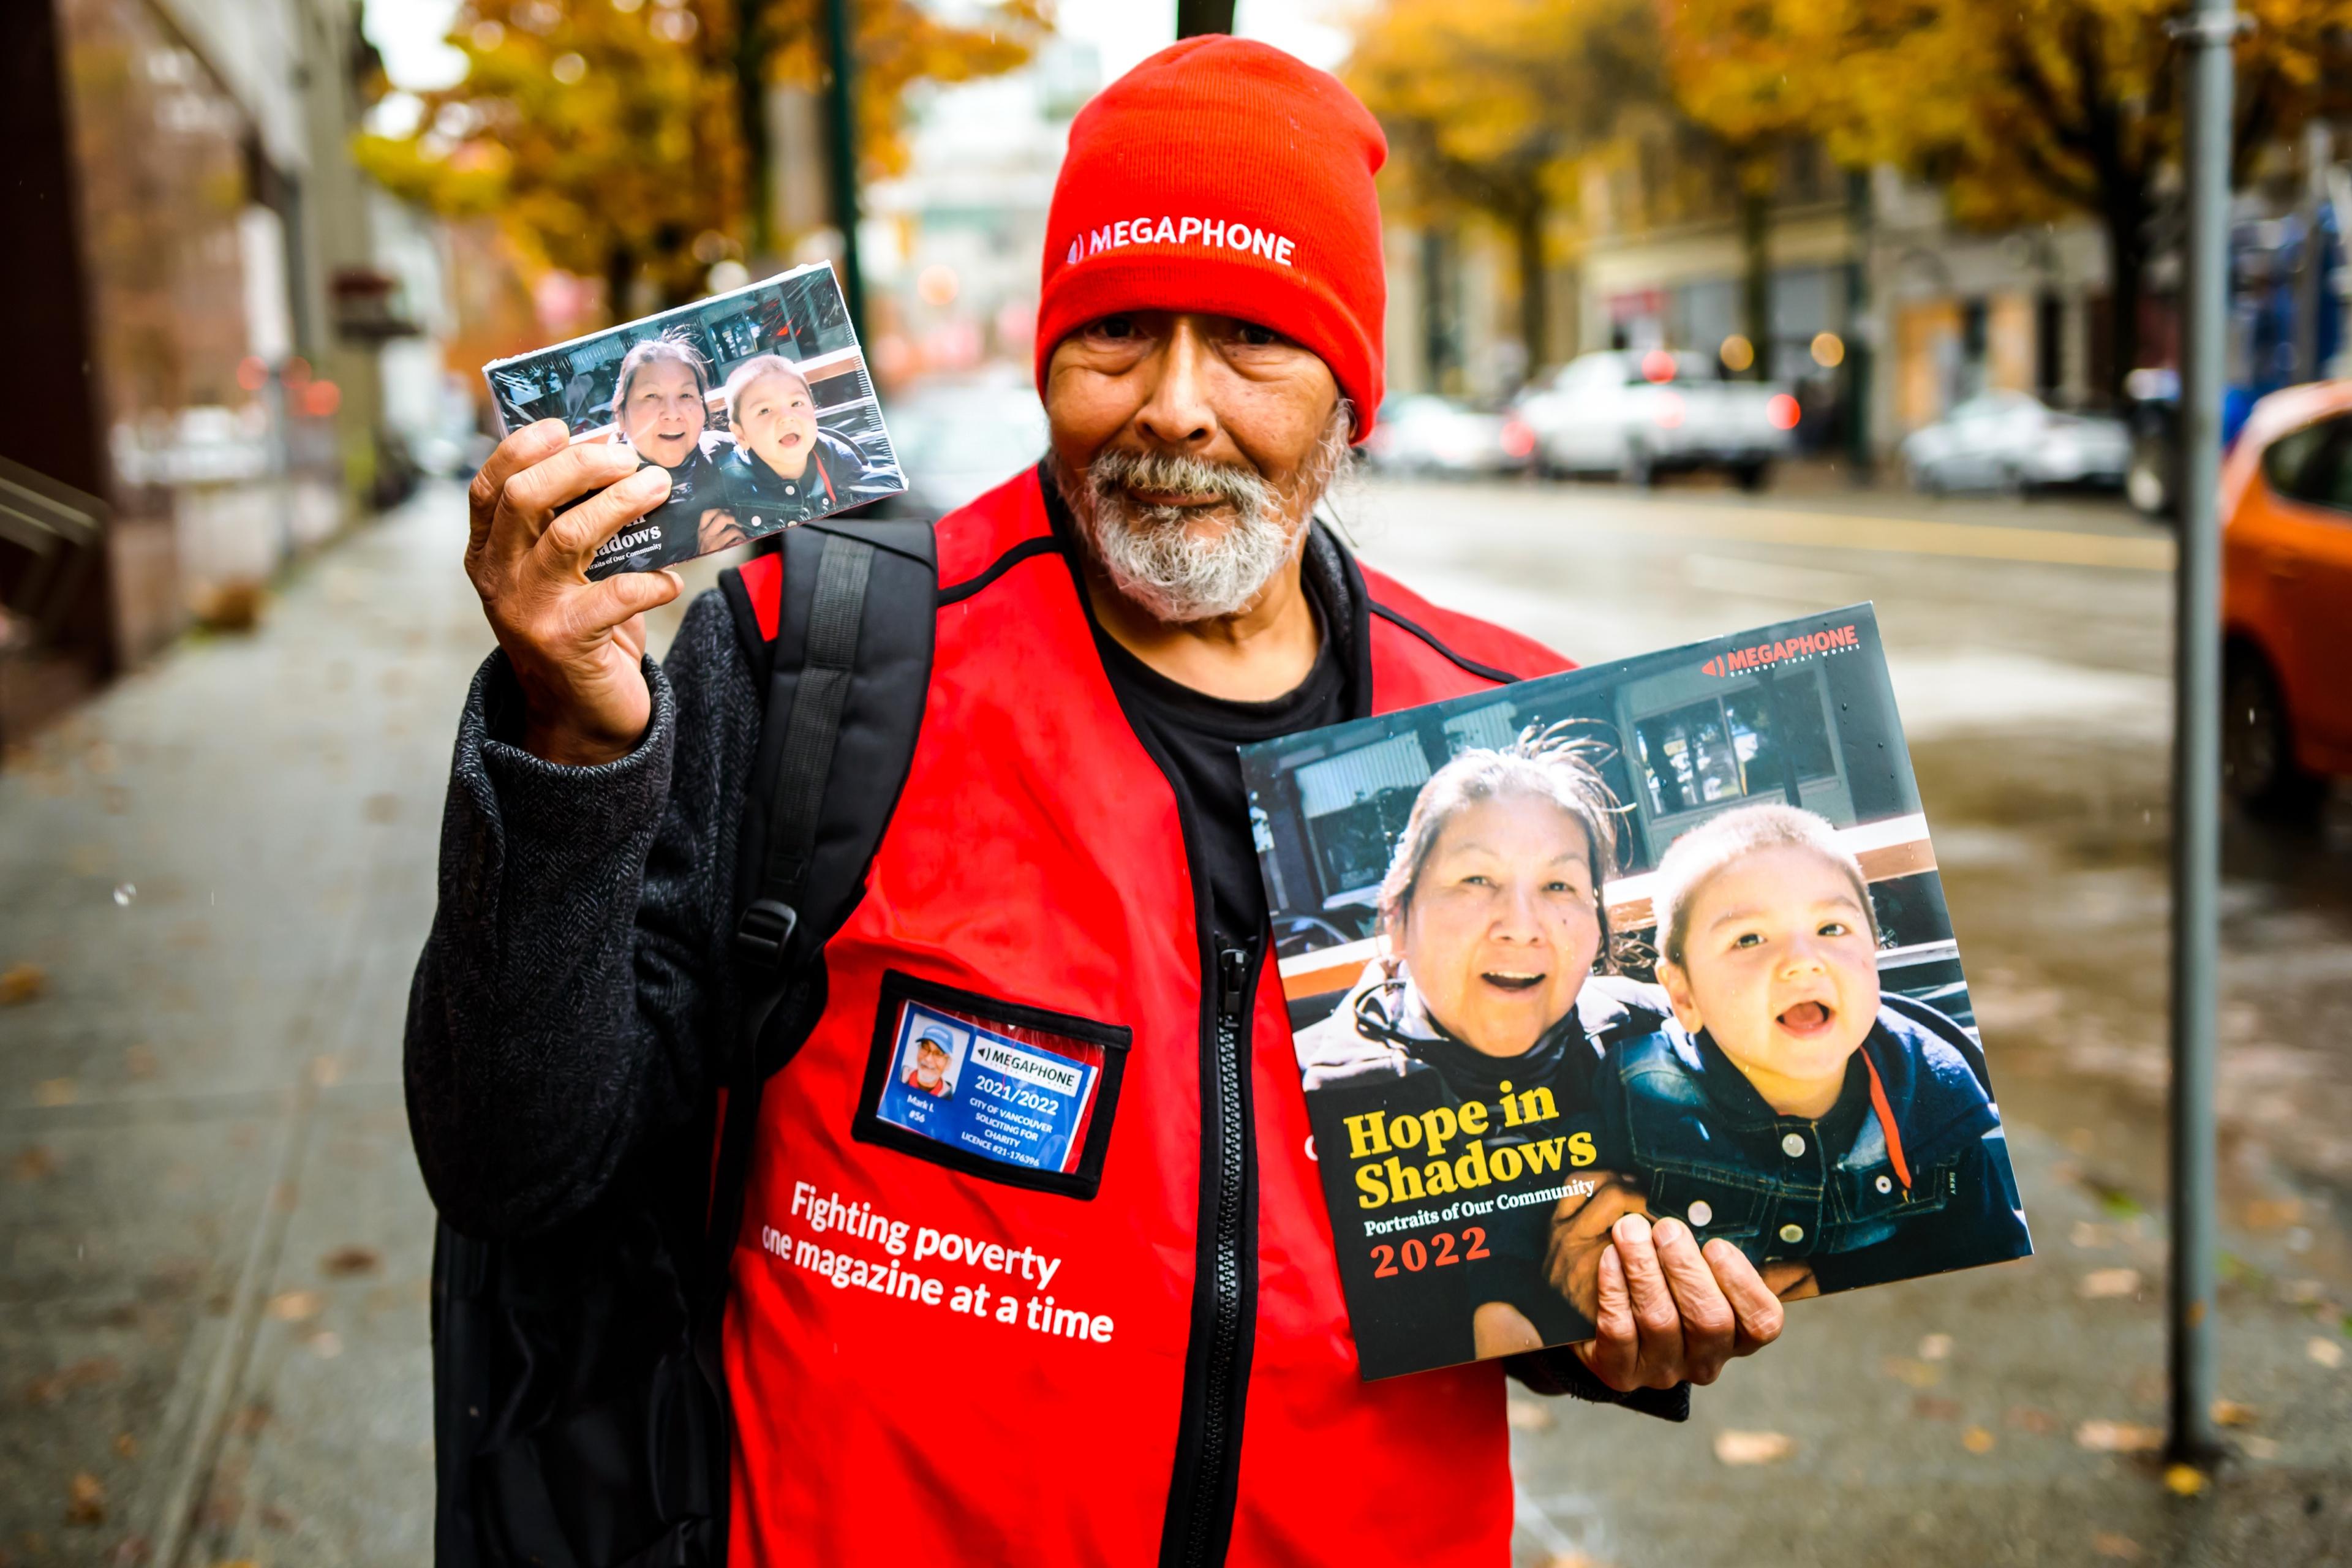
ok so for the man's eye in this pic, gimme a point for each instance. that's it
(1116, 327)
(1255, 336)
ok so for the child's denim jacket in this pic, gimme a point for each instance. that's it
(1682, 1117)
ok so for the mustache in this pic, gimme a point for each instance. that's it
(1114, 476)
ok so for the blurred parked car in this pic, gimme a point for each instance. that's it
(956, 439)
(1638, 415)
(2287, 600)
(1421, 433)
(2014, 441)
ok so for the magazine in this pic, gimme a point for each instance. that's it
(1661, 936)
(756, 401)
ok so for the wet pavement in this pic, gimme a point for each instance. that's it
(213, 880)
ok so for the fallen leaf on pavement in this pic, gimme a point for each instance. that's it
(66, 1379)
(2270, 1214)
(126, 1445)
(1734, 1447)
(345, 1262)
(2184, 1481)
(2230, 1413)
(85, 1500)
(34, 1163)
(2103, 1284)
(293, 1306)
(2326, 1352)
(2258, 1447)
(1934, 1407)
(2118, 1437)
(1935, 1347)
(1918, 1373)
(1527, 1416)
(54, 1091)
(20, 983)
(2027, 1418)
(2123, 1548)
(1977, 1440)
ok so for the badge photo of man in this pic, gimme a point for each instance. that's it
(785, 467)
(660, 410)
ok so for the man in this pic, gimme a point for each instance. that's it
(660, 406)
(930, 1073)
(785, 469)
(1161, 1368)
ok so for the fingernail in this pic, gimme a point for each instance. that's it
(650, 481)
(1667, 1230)
(1632, 1227)
(547, 427)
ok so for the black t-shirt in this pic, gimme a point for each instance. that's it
(1200, 735)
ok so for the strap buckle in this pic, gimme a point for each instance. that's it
(761, 935)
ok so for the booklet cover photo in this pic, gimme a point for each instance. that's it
(757, 401)
(1661, 936)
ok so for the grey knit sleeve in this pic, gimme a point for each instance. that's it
(575, 977)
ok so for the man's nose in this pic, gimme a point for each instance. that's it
(1178, 413)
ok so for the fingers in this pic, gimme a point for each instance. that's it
(1707, 1324)
(527, 501)
(623, 598)
(1655, 1318)
(532, 444)
(570, 542)
(1614, 1353)
(1752, 1301)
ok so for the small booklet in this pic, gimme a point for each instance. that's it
(1659, 936)
(757, 402)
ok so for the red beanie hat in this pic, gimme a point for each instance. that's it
(1225, 176)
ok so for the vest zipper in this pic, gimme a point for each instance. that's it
(1208, 1526)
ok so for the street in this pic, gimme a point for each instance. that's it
(215, 878)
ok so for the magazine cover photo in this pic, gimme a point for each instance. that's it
(1662, 936)
(757, 402)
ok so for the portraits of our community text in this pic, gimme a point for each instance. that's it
(757, 402)
(1662, 936)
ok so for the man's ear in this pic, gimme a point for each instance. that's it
(1677, 980)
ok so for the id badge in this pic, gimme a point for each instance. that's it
(994, 1089)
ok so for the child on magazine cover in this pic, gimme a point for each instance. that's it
(784, 467)
(1844, 1135)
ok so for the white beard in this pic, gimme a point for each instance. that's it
(1152, 553)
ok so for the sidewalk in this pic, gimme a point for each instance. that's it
(213, 880)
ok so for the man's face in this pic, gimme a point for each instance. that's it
(1197, 446)
(930, 1064)
(662, 415)
(775, 417)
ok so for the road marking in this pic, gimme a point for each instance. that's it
(1907, 536)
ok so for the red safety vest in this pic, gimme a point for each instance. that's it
(933, 1359)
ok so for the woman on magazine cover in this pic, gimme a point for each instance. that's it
(1495, 923)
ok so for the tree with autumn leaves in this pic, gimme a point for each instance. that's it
(619, 139)
(2022, 110)
(1490, 105)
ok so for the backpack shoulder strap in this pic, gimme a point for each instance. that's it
(843, 616)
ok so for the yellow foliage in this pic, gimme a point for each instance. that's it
(605, 136)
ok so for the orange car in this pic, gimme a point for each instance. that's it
(2287, 600)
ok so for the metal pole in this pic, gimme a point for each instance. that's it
(1195, 17)
(841, 100)
(2207, 34)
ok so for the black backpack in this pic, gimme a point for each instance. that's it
(580, 1412)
